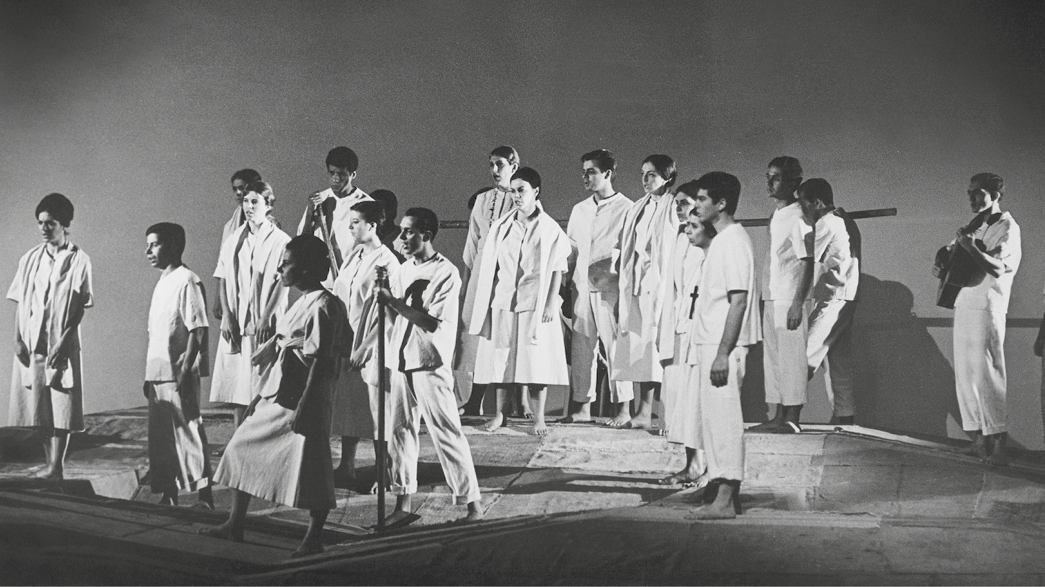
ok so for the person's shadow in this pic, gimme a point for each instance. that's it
(903, 382)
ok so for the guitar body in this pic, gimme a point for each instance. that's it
(959, 270)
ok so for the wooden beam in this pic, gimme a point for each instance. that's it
(856, 215)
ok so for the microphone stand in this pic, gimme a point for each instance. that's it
(382, 389)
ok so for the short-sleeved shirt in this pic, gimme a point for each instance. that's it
(341, 234)
(837, 270)
(355, 283)
(518, 268)
(315, 324)
(687, 286)
(729, 266)
(178, 307)
(789, 242)
(46, 289)
(594, 232)
(433, 287)
(1002, 241)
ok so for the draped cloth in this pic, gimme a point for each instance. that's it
(257, 284)
(48, 294)
(645, 274)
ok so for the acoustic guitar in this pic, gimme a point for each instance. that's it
(958, 268)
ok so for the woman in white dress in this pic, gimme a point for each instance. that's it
(52, 288)
(516, 312)
(252, 299)
(281, 453)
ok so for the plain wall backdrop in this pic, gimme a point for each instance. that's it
(141, 111)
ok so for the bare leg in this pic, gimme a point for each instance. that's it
(539, 394)
(232, 529)
(978, 448)
(999, 454)
(475, 512)
(403, 511)
(206, 494)
(643, 418)
(524, 399)
(238, 414)
(503, 407)
(790, 422)
(724, 506)
(170, 497)
(55, 448)
(577, 412)
(773, 424)
(623, 415)
(345, 473)
(388, 465)
(312, 544)
(691, 473)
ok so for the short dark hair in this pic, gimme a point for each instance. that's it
(372, 212)
(389, 202)
(665, 167)
(170, 234)
(58, 206)
(992, 182)
(264, 190)
(529, 175)
(506, 152)
(720, 186)
(246, 176)
(343, 157)
(603, 159)
(709, 229)
(789, 166)
(690, 188)
(424, 220)
(817, 189)
(311, 254)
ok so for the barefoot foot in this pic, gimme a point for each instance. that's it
(308, 548)
(620, 420)
(224, 531)
(540, 428)
(639, 423)
(494, 423)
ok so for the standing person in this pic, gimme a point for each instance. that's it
(252, 299)
(388, 230)
(991, 242)
(175, 360)
(786, 279)
(726, 326)
(356, 396)
(836, 252)
(646, 243)
(516, 310)
(680, 397)
(281, 453)
(240, 180)
(423, 303)
(593, 230)
(327, 211)
(489, 205)
(52, 289)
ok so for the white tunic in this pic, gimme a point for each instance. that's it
(341, 237)
(788, 244)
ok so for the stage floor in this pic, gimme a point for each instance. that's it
(579, 506)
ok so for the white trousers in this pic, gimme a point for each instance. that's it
(784, 355)
(831, 344)
(584, 351)
(718, 414)
(177, 458)
(979, 369)
(430, 394)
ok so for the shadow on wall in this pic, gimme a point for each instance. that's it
(903, 381)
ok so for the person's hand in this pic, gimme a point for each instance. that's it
(230, 331)
(937, 271)
(184, 383)
(720, 370)
(56, 359)
(358, 359)
(21, 351)
(263, 333)
(384, 295)
(218, 313)
(965, 239)
(549, 315)
(794, 315)
(1039, 346)
(316, 199)
(145, 389)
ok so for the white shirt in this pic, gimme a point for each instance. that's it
(340, 233)
(594, 233)
(178, 307)
(789, 242)
(489, 206)
(1002, 240)
(837, 273)
(434, 287)
(355, 282)
(728, 266)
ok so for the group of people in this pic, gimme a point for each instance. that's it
(659, 294)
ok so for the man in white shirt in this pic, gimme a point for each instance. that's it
(992, 242)
(327, 213)
(786, 279)
(725, 327)
(594, 229)
(836, 253)
(175, 360)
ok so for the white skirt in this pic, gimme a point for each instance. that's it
(510, 355)
(267, 459)
(235, 380)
